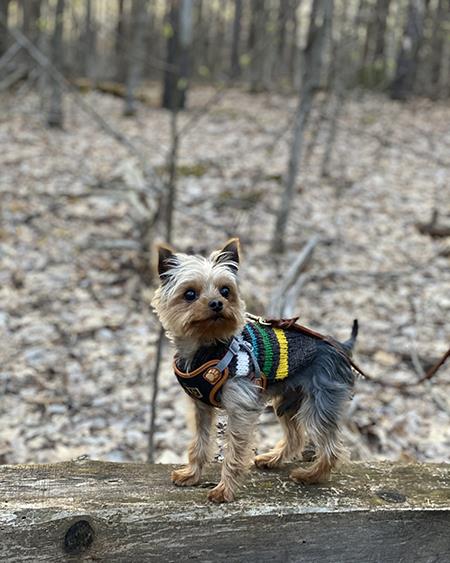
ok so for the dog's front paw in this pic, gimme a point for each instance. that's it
(185, 477)
(221, 493)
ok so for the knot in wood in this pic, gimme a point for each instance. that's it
(79, 537)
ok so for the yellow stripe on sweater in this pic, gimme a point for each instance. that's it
(283, 364)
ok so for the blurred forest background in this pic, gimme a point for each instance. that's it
(317, 131)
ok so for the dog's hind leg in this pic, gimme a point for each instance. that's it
(290, 446)
(320, 415)
(199, 450)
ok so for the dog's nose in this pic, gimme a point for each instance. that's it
(216, 305)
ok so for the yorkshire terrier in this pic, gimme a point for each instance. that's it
(229, 359)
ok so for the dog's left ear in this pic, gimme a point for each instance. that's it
(166, 258)
(229, 255)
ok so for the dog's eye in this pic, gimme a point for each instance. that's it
(225, 291)
(190, 295)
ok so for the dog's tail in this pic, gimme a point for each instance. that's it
(349, 344)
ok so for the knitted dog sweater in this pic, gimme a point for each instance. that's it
(279, 352)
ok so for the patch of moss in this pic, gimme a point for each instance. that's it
(274, 178)
(241, 200)
(197, 170)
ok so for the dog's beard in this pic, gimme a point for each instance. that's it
(215, 326)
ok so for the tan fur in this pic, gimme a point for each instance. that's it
(199, 450)
(288, 448)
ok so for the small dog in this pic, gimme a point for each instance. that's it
(227, 359)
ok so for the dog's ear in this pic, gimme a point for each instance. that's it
(166, 258)
(229, 255)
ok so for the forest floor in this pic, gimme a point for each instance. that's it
(76, 327)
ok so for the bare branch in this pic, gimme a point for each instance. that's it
(289, 287)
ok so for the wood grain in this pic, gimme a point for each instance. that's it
(96, 511)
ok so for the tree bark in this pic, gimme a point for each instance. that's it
(235, 46)
(258, 36)
(179, 43)
(442, 14)
(320, 21)
(293, 55)
(120, 46)
(55, 113)
(4, 4)
(382, 11)
(407, 59)
(136, 54)
(31, 11)
(89, 46)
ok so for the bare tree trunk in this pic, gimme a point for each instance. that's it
(120, 46)
(235, 46)
(4, 28)
(89, 46)
(281, 39)
(217, 46)
(55, 113)
(258, 35)
(342, 76)
(406, 67)
(382, 11)
(293, 56)
(373, 63)
(136, 54)
(179, 44)
(320, 21)
(442, 14)
(168, 225)
(31, 11)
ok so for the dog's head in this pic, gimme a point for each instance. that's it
(198, 298)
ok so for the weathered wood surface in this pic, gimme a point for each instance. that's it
(96, 511)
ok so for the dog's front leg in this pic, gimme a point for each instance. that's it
(242, 402)
(199, 449)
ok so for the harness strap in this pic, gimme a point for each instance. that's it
(233, 350)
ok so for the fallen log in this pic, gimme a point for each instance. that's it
(95, 511)
(115, 89)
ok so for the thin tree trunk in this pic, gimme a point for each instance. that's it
(281, 29)
(136, 54)
(219, 39)
(235, 46)
(342, 76)
(382, 11)
(4, 28)
(55, 113)
(179, 44)
(293, 55)
(258, 37)
(407, 59)
(31, 11)
(120, 43)
(168, 220)
(89, 46)
(437, 45)
(320, 21)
